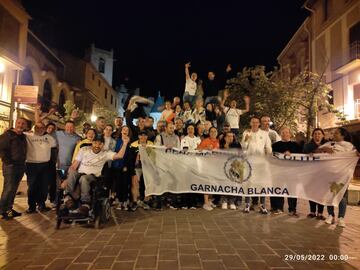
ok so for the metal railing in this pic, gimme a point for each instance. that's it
(351, 53)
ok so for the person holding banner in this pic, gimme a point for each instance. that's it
(341, 143)
(227, 143)
(189, 142)
(256, 142)
(210, 143)
(287, 147)
(318, 139)
(137, 179)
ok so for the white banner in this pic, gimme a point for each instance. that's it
(322, 178)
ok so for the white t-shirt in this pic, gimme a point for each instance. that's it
(91, 163)
(273, 135)
(232, 116)
(190, 86)
(258, 142)
(39, 147)
(342, 146)
(191, 143)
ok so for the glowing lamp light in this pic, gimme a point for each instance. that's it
(2, 67)
(93, 118)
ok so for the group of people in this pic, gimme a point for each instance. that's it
(112, 151)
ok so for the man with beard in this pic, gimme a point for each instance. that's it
(87, 167)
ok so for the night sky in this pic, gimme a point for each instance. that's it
(153, 39)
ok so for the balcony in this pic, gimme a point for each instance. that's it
(349, 59)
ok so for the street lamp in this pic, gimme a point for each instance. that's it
(93, 118)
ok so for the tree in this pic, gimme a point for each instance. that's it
(312, 96)
(269, 95)
(283, 99)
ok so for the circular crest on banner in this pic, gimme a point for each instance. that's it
(237, 169)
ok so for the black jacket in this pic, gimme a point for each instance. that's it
(13, 148)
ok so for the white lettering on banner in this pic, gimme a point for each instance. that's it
(322, 178)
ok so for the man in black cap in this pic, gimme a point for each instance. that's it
(86, 167)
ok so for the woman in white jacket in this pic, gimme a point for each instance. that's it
(341, 143)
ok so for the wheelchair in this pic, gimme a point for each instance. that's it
(100, 207)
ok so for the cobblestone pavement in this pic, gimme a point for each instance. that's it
(182, 239)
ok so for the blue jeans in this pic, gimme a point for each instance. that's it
(12, 177)
(342, 207)
(189, 98)
(85, 181)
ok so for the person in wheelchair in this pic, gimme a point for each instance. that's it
(86, 168)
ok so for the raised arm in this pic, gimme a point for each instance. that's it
(187, 74)
(226, 95)
(129, 120)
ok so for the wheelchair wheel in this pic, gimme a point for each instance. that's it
(105, 212)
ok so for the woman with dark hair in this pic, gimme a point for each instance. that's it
(210, 113)
(227, 143)
(121, 171)
(341, 143)
(318, 139)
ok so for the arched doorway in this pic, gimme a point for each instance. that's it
(46, 97)
(61, 103)
(27, 77)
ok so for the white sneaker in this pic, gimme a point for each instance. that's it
(330, 220)
(341, 223)
(125, 206)
(232, 206)
(224, 205)
(207, 207)
(212, 205)
(247, 208)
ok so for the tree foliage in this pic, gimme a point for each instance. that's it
(285, 100)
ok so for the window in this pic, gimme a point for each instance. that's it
(326, 9)
(99, 83)
(47, 97)
(101, 65)
(27, 77)
(105, 93)
(93, 76)
(112, 99)
(62, 100)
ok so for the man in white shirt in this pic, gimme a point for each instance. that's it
(232, 114)
(256, 142)
(265, 126)
(38, 156)
(190, 85)
(274, 137)
(86, 167)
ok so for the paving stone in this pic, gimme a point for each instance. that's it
(146, 262)
(257, 265)
(168, 265)
(168, 254)
(87, 257)
(128, 255)
(103, 262)
(123, 266)
(58, 264)
(78, 266)
(213, 265)
(189, 261)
